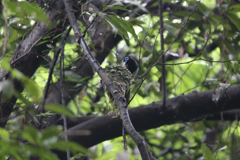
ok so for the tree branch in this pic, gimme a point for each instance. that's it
(119, 99)
(186, 108)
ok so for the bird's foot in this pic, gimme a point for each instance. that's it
(112, 114)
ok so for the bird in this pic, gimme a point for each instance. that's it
(131, 65)
(121, 76)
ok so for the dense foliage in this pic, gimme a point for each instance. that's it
(38, 90)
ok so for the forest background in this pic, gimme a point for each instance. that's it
(52, 102)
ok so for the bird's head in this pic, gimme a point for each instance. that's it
(130, 64)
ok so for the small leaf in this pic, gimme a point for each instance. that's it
(118, 8)
(184, 139)
(234, 8)
(31, 134)
(194, 16)
(116, 5)
(148, 46)
(44, 153)
(235, 20)
(196, 147)
(118, 25)
(7, 88)
(236, 67)
(101, 14)
(51, 132)
(92, 17)
(23, 9)
(126, 25)
(71, 146)
(207, 153)
(59, 109)
(4, 134)
(182, 129)
(93, 46)
(50, 46)
(114, 29)
(71, 76)
(31, 88)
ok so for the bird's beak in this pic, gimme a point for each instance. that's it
(124, 65)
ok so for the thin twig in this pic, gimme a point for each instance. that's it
(62, 97)
(89, 25)
(164, 90)
(56, 55)
(5, 30)
(158, 61)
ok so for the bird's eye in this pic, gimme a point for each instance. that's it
(126, 58)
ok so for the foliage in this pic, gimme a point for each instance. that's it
(206, 42)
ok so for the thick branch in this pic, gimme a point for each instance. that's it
(186, 108)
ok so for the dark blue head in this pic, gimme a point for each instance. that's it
(126, 59)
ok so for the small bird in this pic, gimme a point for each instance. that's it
(131, 65)
(121, 77)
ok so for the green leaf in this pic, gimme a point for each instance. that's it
(125, 25)
(116, 5)
(109, 155)
(59, 109)
(194, 16)
(7, 89)
(129, 28)
(235, 20)
(121, 30)
(51, 132)
(234, 147)
(23, 9)
(31, 134)
(71, 76)
(118, 8)
(236, 67)
(31, 88)
(207, 153)
(5, 65)
(234, 8)
(93, 46)
(101, 14)
(203, 8)
(71, 146)
(30, 85)
(43, 153)
(184, 139)
(182, 129)
(196, 147)
(4, 134)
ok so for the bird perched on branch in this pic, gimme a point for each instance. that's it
(121, 76)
